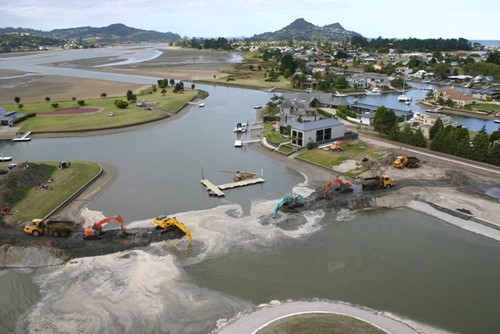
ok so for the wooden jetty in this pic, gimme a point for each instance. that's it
(24, 137)
(217, 190)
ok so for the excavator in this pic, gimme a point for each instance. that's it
(289, 202)
(94, 231)
(343, 186)
(165, 223)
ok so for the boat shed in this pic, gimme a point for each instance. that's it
(318, 131)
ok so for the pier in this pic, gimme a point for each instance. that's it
(24, 137)
(217, 190)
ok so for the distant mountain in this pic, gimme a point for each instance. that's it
(302, 30)
(111, 34)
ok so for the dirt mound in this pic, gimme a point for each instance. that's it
(15, 184)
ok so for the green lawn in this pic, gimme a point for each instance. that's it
(487, 107)
(355, 150)
(38, 203)
(165, 105)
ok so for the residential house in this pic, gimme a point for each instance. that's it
(7, 118)
(426, 120)
(458, 97)
(363, 108)
(318, 131)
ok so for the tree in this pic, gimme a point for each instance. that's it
(438, 126)
(17, 99)
(384, 120)
(172, 82)
(47, 99)
(131, 96)
(121, 104)
(494, 136)
(81, 102)
(494, 154)
(104, 95)
(480, 144)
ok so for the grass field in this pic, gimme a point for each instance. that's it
(65, 182)
(320, 323)
(164, 106)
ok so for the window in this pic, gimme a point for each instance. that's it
(328, 134)
(319, 136)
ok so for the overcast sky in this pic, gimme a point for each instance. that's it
(470, 19)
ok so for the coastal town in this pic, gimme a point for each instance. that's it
(367, 130)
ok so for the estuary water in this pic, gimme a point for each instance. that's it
(408, 264)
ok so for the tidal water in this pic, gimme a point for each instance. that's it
(399, 261)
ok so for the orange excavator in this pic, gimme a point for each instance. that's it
(343, 186)
(94, 231)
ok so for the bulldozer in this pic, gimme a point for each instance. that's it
(165, 223)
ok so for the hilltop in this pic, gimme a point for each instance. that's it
(302, 30)
(113, 33)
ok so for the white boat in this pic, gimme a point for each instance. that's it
(257, 107)
(2, 158)
(240, 127)
(201, 105)
(337, 94)
(404, 98)
(374, 91)
(238, 143)
(497, 121)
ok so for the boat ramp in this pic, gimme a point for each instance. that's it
(217, 190)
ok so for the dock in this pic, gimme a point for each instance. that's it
(24, 137)
(217, 190)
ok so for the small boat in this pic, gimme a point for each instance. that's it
(337, 94)
(403, 98)
(238, 143)
(497, 121)
(2, 158)
(240, 127)
(374, 91)
(201, 105)
(257, 107)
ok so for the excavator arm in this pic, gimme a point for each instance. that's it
(288, 200)
(96, 229)
(164, 222)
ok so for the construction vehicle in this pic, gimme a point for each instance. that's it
(94, 231)
(403, 161)
(164, 223)
(342, 186)
(376, 182)
(55, 228)
(337, 145)
(240, 176)
(288, 202)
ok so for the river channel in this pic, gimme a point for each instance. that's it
(398, 261)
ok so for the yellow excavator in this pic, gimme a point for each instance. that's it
(240, 175)
(164, 223)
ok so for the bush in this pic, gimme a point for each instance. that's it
(81, 102)
(55, 105)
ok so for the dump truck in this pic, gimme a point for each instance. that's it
(55, 228)
(403, 161)
(376, 182)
